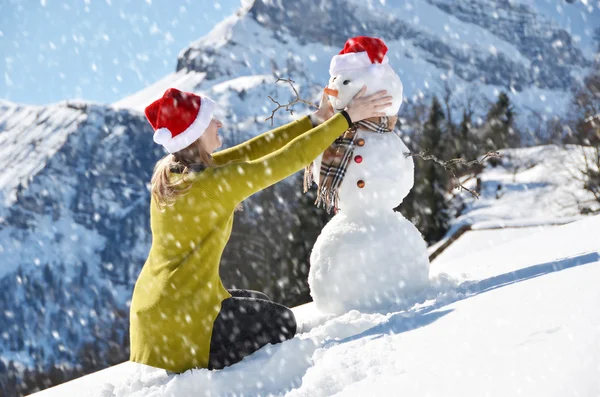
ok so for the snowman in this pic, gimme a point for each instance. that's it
(367, 257)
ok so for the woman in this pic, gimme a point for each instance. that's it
(181, 315)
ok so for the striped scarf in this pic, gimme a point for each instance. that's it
(336, 158)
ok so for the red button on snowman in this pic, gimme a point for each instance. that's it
(368, 257)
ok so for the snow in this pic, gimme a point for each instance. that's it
(534, 337)
(484, 239)
(242, 83)
(453, 31)
(517, 319)
(538, 190)
(532, 186)
(553, 244)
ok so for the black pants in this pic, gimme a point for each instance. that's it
(247, 321)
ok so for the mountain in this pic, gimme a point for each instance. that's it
(75, 226)
(477, 45)
(74, 231)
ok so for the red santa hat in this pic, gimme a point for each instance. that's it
(358, 53)
(179, 118)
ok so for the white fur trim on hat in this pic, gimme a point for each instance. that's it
(164, 137)
(353, 60)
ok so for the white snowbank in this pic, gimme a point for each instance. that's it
(524, 321)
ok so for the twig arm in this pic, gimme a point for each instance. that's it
(287, 106)
(447, 166)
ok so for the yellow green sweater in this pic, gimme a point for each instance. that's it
(179, 292)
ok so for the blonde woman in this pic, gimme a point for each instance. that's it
(182, 316)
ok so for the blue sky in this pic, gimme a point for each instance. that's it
(97, 50)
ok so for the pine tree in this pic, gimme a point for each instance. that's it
(432, 130)
(499, 129)
(596, 37)
(467, 138)
(466, 145)
(426, 205)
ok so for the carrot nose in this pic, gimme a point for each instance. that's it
(332, 92)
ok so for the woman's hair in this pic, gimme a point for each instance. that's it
(165, 190)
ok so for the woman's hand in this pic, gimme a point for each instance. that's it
(325, 111)
(362, 107)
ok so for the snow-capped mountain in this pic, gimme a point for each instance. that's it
(518, 47)
(74, 231)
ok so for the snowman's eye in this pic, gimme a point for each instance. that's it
(346, 82)
(334, 79)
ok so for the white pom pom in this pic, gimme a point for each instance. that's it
(162, 136)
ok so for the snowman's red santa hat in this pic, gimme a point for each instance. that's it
(360, 52)
(179, 118)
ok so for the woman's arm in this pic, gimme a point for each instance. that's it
(239, 180)
(242, 179)
(264, 143)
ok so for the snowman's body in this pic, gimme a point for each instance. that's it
(369, 257)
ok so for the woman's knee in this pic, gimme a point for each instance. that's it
(246, 293)
(287, 324)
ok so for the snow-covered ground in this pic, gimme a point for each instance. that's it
(520, 318)
(532, 186)
(478, 240)
(531, 190)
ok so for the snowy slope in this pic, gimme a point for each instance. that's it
(518, 319)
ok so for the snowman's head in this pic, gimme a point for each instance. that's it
(363, 62)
